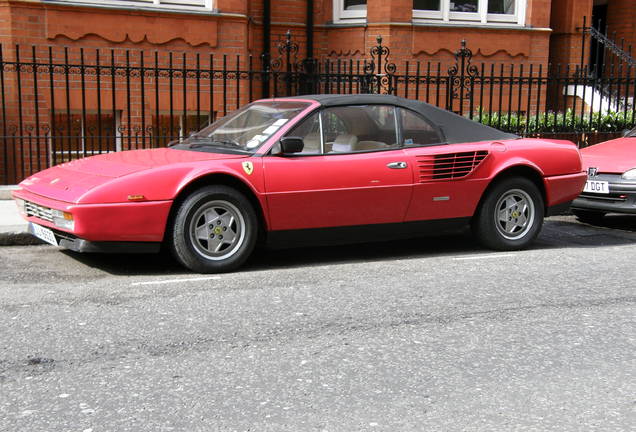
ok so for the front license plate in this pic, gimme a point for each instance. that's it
(43, 233)
(596, 186)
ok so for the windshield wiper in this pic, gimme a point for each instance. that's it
(208, 142)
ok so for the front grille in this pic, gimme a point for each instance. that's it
(450, 165)
(38, 211)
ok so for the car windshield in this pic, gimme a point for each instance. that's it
(631, 133)
(244, 130)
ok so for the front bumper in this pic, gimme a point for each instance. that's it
(112, 222)
(621, 197)
(76, 244)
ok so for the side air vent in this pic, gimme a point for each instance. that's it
(449, 166)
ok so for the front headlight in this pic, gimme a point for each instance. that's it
(63, 219)
(629, 175)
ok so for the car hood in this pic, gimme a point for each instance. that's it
(615, 156)
(71, 180)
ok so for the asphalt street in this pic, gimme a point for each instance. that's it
(432, 334)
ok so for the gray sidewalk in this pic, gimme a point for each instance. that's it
(13, 228)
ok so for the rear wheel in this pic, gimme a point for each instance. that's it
(589, 216)
(214, 230)
(510, 216)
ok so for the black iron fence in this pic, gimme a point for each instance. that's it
(58, 104)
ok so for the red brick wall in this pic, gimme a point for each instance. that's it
(621, 18)
(566, 21)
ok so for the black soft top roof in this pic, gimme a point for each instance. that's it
(456, 129)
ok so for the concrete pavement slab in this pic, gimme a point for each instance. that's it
(5, 191)
(13, 228)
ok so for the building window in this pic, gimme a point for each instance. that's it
(77, 134)
(159, 4)
(350, 10)
(179, 126)
(477, 11)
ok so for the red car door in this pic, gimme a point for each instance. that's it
(337, 190)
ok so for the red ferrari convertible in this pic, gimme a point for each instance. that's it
(328, 168)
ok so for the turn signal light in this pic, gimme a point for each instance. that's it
(63, 219)
(136, 197)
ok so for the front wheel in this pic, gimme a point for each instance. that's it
(510, 216)
(214, 230)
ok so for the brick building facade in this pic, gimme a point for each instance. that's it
(523, 31)
(55, 109)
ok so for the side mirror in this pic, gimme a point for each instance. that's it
(289, 145)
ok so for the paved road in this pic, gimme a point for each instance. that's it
(432, 334)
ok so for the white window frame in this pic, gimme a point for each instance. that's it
(180, 131)
(349, 16)
(480, 17)
(188, 5)
(60, 153)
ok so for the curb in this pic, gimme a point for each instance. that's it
(15, 235)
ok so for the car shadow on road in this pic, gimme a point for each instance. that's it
(265, 258)
(618, 221)
(567, 231)
(560, 232)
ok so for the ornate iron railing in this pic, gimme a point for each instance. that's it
(58, 104)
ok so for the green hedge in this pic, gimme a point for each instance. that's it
(558, 122)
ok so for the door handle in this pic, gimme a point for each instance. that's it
(397, 165)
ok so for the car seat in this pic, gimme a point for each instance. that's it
(344, 143)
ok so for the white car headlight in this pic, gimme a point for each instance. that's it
(63, 219)
(629, 175)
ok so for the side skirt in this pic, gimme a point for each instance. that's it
(363, 233)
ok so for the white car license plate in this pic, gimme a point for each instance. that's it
(596, 186)
(43, 233)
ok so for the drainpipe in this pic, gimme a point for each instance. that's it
(310, 29)
(308, 82)
(266, 57)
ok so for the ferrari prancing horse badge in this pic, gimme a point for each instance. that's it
(248, 167)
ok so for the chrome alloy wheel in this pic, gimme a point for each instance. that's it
(217, 230)
(514, 214)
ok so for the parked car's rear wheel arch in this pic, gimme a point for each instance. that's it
(511, 210)
(519, 171)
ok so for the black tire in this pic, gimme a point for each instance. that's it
(589, 216)
(510, 215)
(214, 230)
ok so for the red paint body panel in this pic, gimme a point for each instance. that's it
(336, 190)
(110, 178)
(458, 198)
(612, 157)
(133, 222)
(560, 189)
